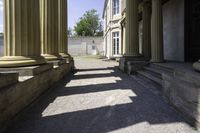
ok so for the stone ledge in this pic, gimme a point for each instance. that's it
(57, 63)
(133, 66)
(15, 98)
(123, 66)
(183, 93)
(8, 78)
(28, 71)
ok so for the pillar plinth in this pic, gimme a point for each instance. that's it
(62, 29)
(146, 38)
(21, 34)
(132, 27)
(49, 29)
(196, 66)
(157, 32)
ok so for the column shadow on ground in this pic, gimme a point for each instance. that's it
(144, 107)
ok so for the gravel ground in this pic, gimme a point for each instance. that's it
(99, 98)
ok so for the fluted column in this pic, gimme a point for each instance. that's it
(197, 66)
(157, 32)
(62, 28)
(146, 38)
(49, 29)
(21, 34)
(132, 27)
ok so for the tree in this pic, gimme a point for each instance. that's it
(1, 34)
(89, 24)
(69, 31)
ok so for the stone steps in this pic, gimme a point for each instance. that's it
(150, 76)
(148, 84)
(180, 88)
(162, 68)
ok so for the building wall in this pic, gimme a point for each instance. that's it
(173, 27)
(112, 24)
(85, 45)
(1, 46)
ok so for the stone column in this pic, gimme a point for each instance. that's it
(157, 32)
(21, 34)
(62, 28)
(124, 40)
(132, 27)
(197, 66)
(146, 38)
(49, 29)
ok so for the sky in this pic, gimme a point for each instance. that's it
(1, 15)
(76, 8)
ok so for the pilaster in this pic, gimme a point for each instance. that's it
(146, 38)
(157, 32)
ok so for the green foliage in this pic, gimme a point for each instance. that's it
(89, 24)
(69, 31)
(1, 34)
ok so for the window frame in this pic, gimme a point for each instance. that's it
(116, 43)
(116, 7)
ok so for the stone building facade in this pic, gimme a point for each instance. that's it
(160, 44)
(112, 28)
(85, 45)
(175, 19)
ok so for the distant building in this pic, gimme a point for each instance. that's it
(85, 45)
(112, 28)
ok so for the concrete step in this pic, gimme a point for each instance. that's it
(133, 66)
(148, 84)
(156, 72)
(161, 68)
(150, 76)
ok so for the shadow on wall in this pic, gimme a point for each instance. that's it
(144, 106)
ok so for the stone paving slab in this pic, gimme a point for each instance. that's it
(100, 99)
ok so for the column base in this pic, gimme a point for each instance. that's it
(51, 57)
(123, 62)
(196, 66)
(20, 61)
(64, 55)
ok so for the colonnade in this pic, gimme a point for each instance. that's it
(35, 31)
(152, 30)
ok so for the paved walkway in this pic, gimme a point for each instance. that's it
(99, 99)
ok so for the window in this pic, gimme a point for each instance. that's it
(115, 7)
(116, 43)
